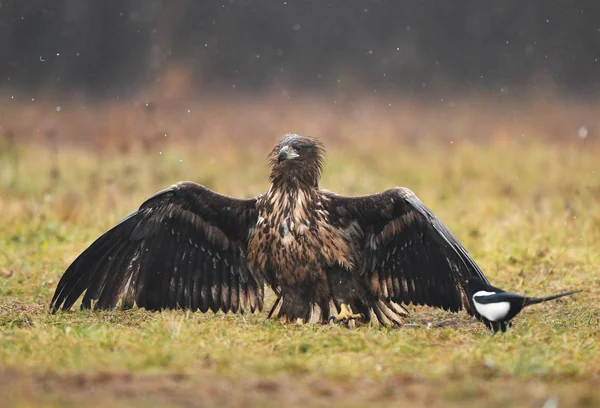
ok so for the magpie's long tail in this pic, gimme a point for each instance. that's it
(533, 301)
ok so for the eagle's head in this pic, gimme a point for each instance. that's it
(297, 159)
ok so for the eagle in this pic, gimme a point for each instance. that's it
(327, 257)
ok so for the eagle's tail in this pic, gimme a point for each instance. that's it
(275, 308)
(378, 313)
(386, 313)
(313, 313)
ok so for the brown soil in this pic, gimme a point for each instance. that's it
(204, 389)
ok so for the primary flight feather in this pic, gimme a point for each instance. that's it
(325, 256)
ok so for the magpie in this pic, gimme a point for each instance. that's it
(497, 307)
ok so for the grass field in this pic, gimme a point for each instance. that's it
(527, 212)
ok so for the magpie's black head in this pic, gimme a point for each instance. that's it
(475, 284)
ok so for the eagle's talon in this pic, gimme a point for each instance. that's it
(346, 315)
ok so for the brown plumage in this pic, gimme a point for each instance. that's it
(325, 255)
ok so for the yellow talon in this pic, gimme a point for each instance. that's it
(346, 314)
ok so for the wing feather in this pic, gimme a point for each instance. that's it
(185, 295)
(179, 279)
(235, 292)
(106, 295)
(225, 286)
(215, 288)
(206, 282)
(243, 293)
(184, 247)
(130, 282)
(197, 281)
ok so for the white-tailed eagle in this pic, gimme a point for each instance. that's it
(325, 256)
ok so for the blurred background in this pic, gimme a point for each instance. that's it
(126, 74)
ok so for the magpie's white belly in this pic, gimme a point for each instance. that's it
(491, 311)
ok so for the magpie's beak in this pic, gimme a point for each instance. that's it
(286, 153)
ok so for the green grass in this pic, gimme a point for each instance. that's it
(529, 215)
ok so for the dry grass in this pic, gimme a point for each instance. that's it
(525, 208)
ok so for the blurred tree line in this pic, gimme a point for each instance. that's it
(103, 48)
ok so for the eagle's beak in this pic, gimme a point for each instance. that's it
(286, 153)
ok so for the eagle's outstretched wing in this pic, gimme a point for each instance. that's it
(184, 247)
(405, 253)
